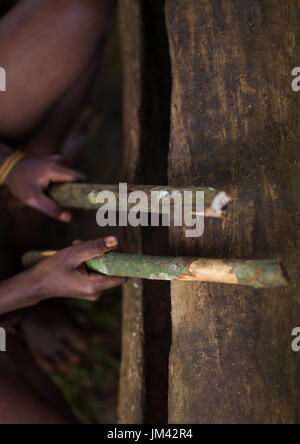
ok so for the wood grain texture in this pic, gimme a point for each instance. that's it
(236, 125)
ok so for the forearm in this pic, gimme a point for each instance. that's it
(19, 292)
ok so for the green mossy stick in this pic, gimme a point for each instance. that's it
(255, 273)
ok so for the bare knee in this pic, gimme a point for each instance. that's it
(38, 82)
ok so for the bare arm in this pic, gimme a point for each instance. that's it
(18, 292)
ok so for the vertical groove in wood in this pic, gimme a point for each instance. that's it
(132, 377)
(146, 307)
(154, 169)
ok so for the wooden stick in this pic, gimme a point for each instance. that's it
(84, 196)
(255, 273)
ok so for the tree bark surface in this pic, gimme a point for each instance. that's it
(236, 126)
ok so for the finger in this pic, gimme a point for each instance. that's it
(57, 158)
(94, 298)
(47, 206)
(90, 250)
(59, 173)
(77, 242)
(82, 268)
(101, 283)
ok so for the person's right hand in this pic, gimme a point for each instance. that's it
(64, 274)
(30, 178)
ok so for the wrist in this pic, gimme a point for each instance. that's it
(8, 167)
(38, 290)
(31, 286)
(42, 284)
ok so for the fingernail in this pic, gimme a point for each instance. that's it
(111, 242)
(65, 216)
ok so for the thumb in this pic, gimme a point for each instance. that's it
(89, 250)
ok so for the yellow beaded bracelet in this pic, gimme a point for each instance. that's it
(9, 164)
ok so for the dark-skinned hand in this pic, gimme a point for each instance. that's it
(30, 178)
(65, 275)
